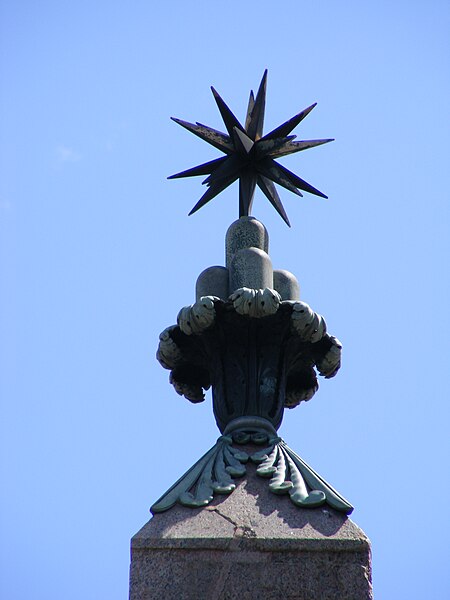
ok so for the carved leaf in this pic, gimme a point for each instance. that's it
(295, 396)
(204, 491)
(266, 460)
(196, 318)
(185, 483)
(307, 324)
(190, 391)
(234, 459)
(168, 353)
(299, 493)
(317, 483)
(255, 303)
(212, 474)
(279, 484)
(329, 365)
(223, 483)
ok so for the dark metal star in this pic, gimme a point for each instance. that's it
(249, 155)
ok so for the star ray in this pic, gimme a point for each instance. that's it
(204, 169)
(216, 138)
(247, 184)
(291, 147)
(212, 192)
(267, 147)
(270, 169)
(228, 168)
(228, 117)
(270, 191)
(300, 183)
(242, 142)
(255, 127)
(286, 128)
(251, 104)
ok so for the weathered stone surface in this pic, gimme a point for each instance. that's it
(213, 281)
(250, 544)
(246, 232)
(251, 268)
(286, 284)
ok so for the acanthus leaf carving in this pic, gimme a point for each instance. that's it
(255, 303)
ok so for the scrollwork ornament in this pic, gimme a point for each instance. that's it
(215, 471)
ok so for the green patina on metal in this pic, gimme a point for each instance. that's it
(288, 473)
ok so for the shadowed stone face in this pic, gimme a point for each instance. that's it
(251, 544)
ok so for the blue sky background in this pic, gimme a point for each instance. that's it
(98, 256)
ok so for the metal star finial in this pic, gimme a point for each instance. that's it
(250, 155)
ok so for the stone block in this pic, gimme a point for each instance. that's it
(250, 545)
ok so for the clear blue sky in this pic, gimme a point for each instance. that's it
(98, 255)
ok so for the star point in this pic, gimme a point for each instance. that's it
(250, 156)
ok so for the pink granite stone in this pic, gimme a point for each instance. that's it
(250, 544)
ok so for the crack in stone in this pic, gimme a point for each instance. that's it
(240, 531)
(216, 510)
(246, 532)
